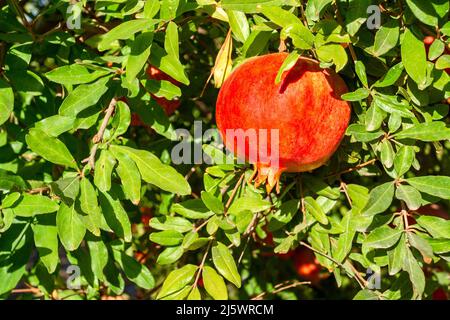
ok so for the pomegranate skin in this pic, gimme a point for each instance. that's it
(305, 108)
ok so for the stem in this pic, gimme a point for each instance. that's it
(233, 193)
(99, 136)
(281, 287)
(201, 266)
(359, 166)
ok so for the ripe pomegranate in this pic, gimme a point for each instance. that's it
(169, 106)
(305, 108)
(307, 265)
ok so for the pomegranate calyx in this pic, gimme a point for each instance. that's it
(269, 176)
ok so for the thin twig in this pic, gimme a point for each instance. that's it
(99, 136)
(233, 193)
(201, 266)
(357, 167)
(281, 287)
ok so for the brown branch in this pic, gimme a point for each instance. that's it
(233, 193)
(99, 136)
(201, 266)
(357, 167)
(281, 287)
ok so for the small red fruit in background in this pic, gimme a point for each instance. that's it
(305, 109)
(109, 64)
(428, 40)
(307, 265)
(140, 257)
(169, 106)
(439, 294)
(146, 215)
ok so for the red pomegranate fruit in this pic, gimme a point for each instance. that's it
(169, 106)
(304, 108)
(306, 265)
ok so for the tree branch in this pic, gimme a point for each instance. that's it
(99, 136)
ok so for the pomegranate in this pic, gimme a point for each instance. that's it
(307, 265)
(305, 110)
(169, 106)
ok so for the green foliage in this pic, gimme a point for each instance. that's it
(83, 184)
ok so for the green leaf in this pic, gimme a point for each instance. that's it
(224, 263)
(74, 74)
(212, 203)
(391, 76)
(239, 25)
(55, 125)
(167, 238)
(103, 170)
(380, 199)
(414, 58)
(390, 104)
(381, 238)
(437, 186)
(436, 49)
(439, 245)
(168, 64)
(356, 15)
(251, 6)
(89, 205)
(129, 176)
(140, 51)
(357, 95)
(443, 62)
(374, 118)
(121, 120)
(288, 64)
(403, 160)
(313, 208)
(334, 53)
(314, 8)
(170, 255)
(437, 227)
(422, 245)
(366, 294)
(162, 89)
(410, 195)
(360, 133)
(195, 294)
(99, 256)
(446, 29)
(46, 240)
(424, 11)
(50, 148)
(124, 31)
(177, 279)
(6, 101)
(115, 216)
(30, 205)
(214, 284)
(426, 131)
(386, 153)
(192, 209)
(361, 73)
(136, 272)
(71, 229)
(248, 203)
(386, 38)
(396, 256)
(416, 275)
(283, 215)
(155, 172)
(171, 42)
(84, 96)
(171, 223)
(345, 241)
